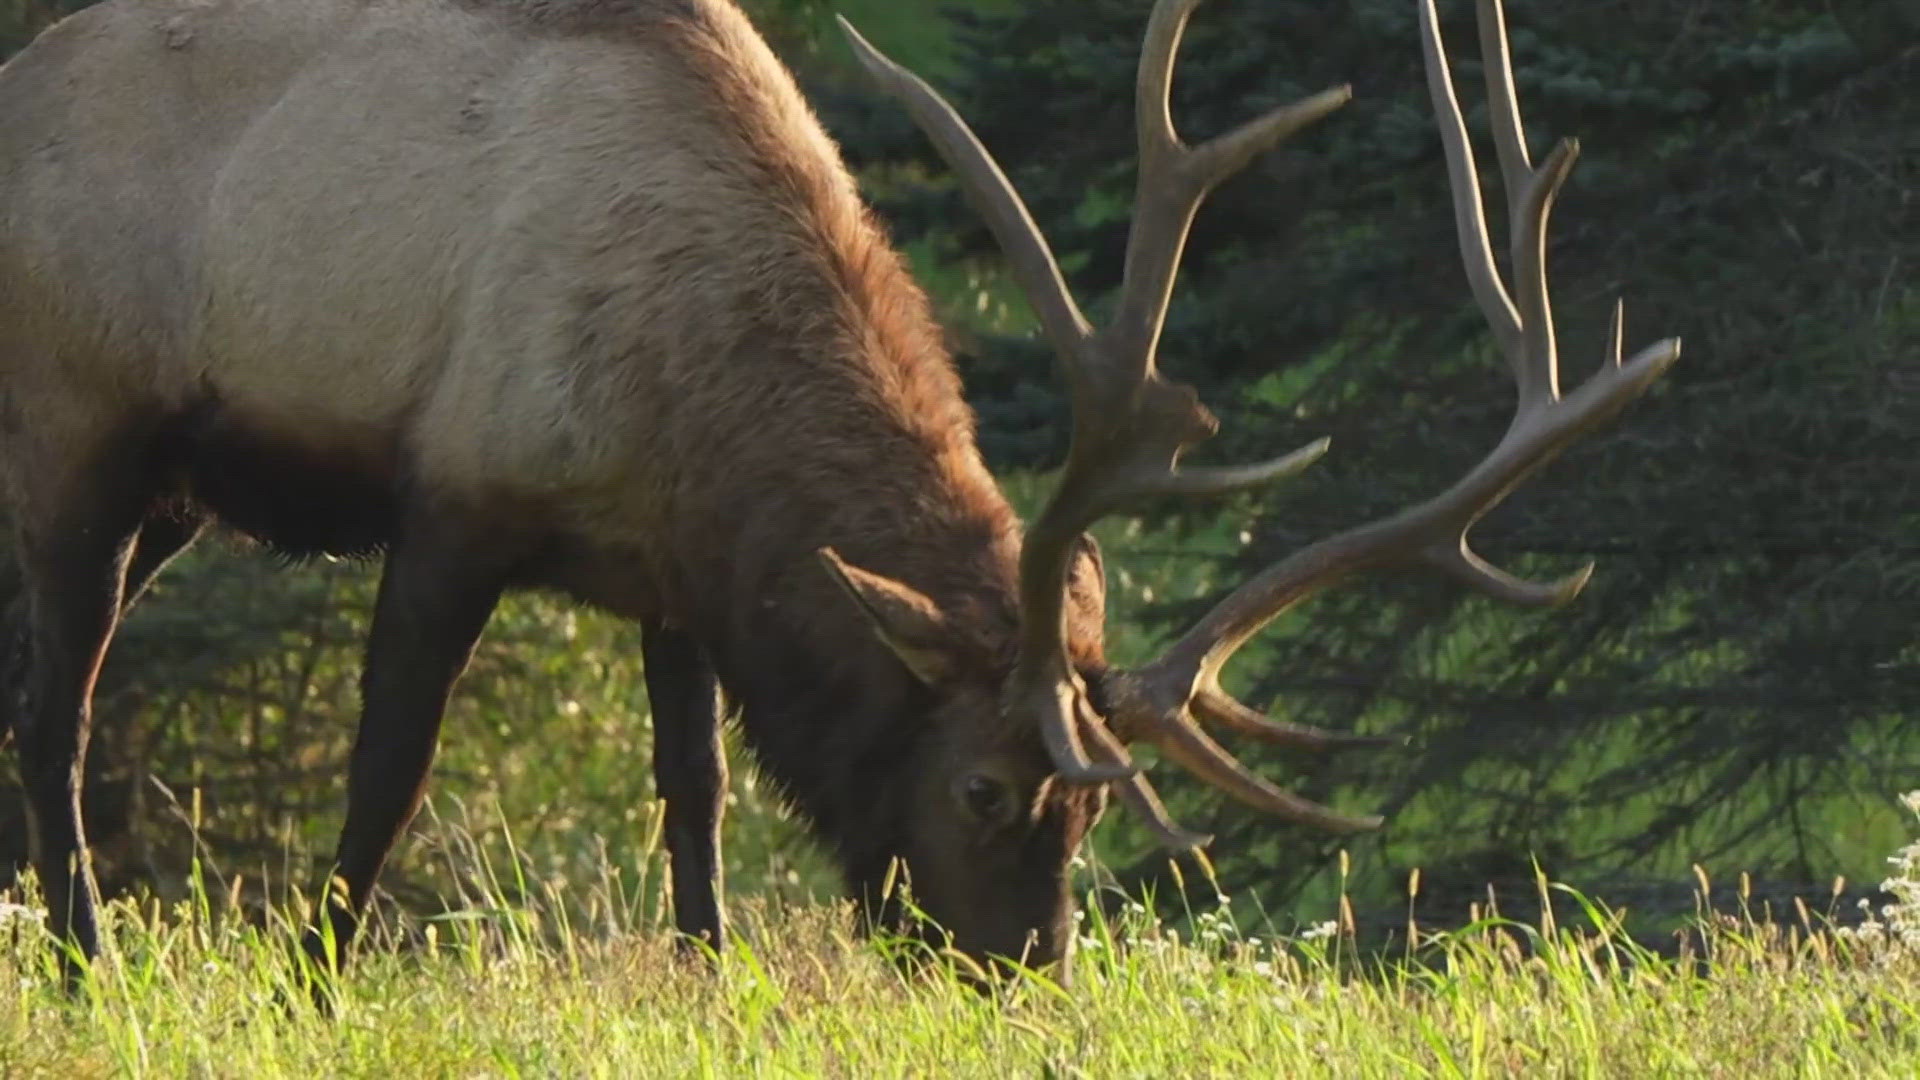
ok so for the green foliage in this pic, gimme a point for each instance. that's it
(1746, 661)
(915, 32)
(20, 20)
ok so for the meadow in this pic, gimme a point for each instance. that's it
(1737, 690)
(530, 979)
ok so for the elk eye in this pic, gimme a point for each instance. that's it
(986, 798)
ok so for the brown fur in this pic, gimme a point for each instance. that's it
(584, 275)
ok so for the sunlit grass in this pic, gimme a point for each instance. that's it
(556, 984)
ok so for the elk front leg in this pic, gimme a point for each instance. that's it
(76, 532)
(441, 582)
(690, 773)
(161, 538)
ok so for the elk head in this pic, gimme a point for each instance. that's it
(1002, 805)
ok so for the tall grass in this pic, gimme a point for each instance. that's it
(556, 979)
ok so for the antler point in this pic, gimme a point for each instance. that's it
(870, 58)
(847, 28)
(1572, 585)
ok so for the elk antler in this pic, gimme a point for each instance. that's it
(1130, 425)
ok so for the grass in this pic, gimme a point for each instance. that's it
(565, 985)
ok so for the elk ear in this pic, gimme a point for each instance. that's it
(903, 617)
(1087, 582)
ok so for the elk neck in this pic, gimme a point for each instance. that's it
(830, 712)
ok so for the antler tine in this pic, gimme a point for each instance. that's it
(1140, 798)
(1163, 701)
(1210, 762)
(1175, 180)
(991, 194)
(1217, 706)
(1616, 334)
(1529, 199)
(1470, 223)
(1503, 104)
(1526, 335)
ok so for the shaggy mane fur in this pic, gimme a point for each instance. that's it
(874, 308)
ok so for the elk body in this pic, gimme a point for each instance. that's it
(575, 295)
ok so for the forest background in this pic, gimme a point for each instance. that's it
(1738, 689)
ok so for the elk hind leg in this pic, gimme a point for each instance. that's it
(161, 538)
(76, 534)
(441, 582)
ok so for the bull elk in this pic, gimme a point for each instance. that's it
(576, 295)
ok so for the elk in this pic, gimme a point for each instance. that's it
(577, 296)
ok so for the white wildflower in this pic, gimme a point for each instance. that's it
(19, 913)
(1903, 915)
(1896, 928)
